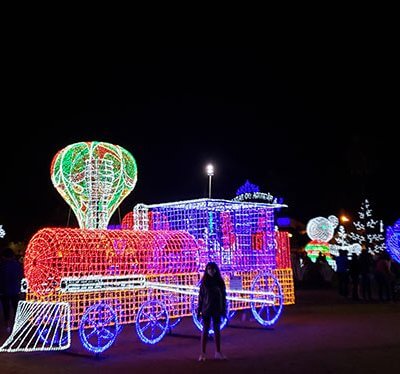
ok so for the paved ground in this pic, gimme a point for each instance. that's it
(322, 333)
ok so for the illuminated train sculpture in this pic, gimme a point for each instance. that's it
(96, 280)
(393, 241)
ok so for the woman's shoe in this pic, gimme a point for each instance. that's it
(202, 357)
(219, 356)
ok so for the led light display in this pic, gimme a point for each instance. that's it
(147, 272)
(321, 228)
(93, 178)
(368, 231)
(56, 253)
(239, 236)
(393, 240)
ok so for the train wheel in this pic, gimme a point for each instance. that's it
(171, 300)
(152, 321)
(98, 328)
(116, 305)
(267, 313)
(173, 322)
(199, 322)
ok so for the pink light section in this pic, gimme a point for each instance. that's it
(54, 253)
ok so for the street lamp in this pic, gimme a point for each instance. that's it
(210, 173)
(344, 219)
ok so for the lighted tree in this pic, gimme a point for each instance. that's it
(2, 232)
(343, 243)
(369, 231)
(341, 237)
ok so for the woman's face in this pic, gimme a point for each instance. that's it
(211, 271)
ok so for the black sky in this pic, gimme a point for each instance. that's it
(314, 126)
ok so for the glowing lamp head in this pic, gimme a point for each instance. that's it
(93, 178)
(210, 169)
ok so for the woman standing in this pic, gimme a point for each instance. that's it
(212, 306)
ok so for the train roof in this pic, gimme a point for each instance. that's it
(219, 204)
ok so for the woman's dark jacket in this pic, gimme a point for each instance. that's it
(11, 274)
(212, 299)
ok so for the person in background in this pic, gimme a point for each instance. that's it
(212, 306)
(354, 270)
(11, 274)
(384, 277)
(366, 265)
(342, 268)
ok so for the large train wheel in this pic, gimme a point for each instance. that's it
(199, 321)
(98, 328)
(152, 321)
(171, 300)
(267, 313)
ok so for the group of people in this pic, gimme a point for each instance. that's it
(312, 274)
(364, 276)
(361, 274)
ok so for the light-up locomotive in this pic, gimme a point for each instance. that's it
(97, 280)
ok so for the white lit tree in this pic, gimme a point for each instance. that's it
(342, 243)
(369, 232)
(2, 232)
(341, 237)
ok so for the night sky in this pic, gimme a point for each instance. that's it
(311, 126)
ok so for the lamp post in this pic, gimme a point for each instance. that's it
(210, 173)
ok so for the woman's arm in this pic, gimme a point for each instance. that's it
(200, 301)
(224, 300)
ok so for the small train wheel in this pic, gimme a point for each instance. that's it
(267, 313)
(98, 328)
(152, 321)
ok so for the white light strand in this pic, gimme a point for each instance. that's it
(194, 291)
(341, 236)
(40, 326)
(101, 283)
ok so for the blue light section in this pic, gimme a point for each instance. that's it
(247, 187)
(267, 314)
(238, 236)
(283, 221)
(280, 201)
(50, 331)
(152, 321)
(393, 241)
(98, 328)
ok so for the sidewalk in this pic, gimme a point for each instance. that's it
(321, 333)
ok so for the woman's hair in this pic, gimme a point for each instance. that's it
(217, 279)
